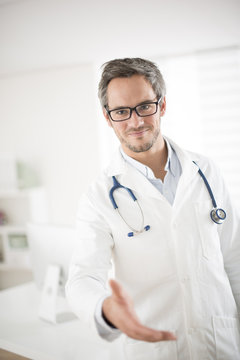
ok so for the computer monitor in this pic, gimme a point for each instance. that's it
(51, 248)
(50, 245)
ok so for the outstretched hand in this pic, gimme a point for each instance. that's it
(119, 310)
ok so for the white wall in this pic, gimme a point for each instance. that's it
(48, 106)
(48, 120)
(42, 33)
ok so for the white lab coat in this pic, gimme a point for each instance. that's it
(183, 274)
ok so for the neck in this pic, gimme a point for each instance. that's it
(155, 158)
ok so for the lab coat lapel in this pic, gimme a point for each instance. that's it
(130, 177)
(135, 180)
(189, 171)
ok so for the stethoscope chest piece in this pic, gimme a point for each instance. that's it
(218, 215)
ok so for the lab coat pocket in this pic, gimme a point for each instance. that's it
(207, 229)
(227, 337)
(141, 350)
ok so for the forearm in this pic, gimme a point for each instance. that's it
(83, 293)
(105, 330)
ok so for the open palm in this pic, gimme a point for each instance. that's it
(119, 310)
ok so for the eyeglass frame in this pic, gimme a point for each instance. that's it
(133, 108)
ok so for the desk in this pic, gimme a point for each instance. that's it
(22, 332)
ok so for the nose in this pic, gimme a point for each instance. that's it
(136, 120)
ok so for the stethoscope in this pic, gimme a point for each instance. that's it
(217, 215)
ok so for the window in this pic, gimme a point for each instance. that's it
(203, 108)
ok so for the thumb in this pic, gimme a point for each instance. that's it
(117, 289)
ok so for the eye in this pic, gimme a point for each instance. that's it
(121, 112)
(144, 107)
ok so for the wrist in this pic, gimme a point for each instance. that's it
(108, 322)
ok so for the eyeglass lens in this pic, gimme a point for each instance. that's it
(142, 110)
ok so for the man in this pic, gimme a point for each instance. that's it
(177, 268)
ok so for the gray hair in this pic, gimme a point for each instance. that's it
(126, 68)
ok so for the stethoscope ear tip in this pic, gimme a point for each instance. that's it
(131, 234)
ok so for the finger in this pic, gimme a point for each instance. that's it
(162, 336)
(155, 337)
(117, 289)
(147, 334)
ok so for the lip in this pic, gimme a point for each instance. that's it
(138, 133)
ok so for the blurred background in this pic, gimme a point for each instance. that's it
(53, 137)
(54, 140)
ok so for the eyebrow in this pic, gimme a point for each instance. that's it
(124, 107)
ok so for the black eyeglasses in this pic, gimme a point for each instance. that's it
(124, 113)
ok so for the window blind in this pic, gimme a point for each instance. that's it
(203, 108)
(219, 96)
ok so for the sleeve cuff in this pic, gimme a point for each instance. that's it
(105, 330)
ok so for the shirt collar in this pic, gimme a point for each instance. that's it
(145, 170)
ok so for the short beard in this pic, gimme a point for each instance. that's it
(142, 148)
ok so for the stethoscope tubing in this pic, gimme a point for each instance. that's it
(217, 215)
(207, 185)
(117, 185)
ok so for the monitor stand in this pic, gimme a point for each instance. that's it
(53, 308)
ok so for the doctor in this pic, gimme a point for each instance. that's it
(176, 293)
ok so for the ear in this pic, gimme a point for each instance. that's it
(163, 107)
(105, 114)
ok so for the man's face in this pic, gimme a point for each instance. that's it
(137, 134)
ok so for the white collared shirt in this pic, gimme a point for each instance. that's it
(167, 187)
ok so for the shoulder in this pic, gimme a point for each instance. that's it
(96, 188)
(205, 163)
(92, 203)
(200, 159)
